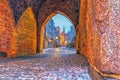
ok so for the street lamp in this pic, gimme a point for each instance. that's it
(66, 42)
(50, 40)
(56, 38)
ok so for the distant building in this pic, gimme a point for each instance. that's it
(66, 37)
(71, 34)
(51, 34)
(63, 38)
(58, 29)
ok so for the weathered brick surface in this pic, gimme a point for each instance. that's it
(19, 6)
(82, 29)
(26, 34)
(7, 33)
(90, 34)
(110, 38)
(103, 20)
(70, 8)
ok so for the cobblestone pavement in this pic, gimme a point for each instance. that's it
(52, 64)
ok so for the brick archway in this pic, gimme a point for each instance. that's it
(97, 29)
(44, 25)
(70, 8)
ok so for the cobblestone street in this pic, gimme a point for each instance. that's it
(52, 64)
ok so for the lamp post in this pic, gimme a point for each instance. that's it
(66, 42)
(56, 38)
(50, 40)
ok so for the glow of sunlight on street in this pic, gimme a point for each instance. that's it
(57, 52)
(57, 49)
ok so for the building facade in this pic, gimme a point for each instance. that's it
(51, 34)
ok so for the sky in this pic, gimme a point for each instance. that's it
(61, 21)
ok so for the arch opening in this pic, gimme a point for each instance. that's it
(63, 33)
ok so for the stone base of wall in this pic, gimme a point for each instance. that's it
(3, 54)
(96, 76)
